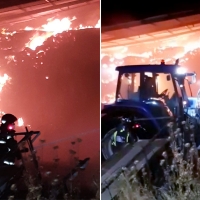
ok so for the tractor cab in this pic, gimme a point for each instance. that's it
(153, 83)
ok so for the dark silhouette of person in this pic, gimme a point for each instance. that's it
(148, 90)
(8, 145)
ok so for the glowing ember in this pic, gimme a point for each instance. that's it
(20, 122)
(10, 58)
(4, 32)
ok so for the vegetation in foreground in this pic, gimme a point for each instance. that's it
(179, 177)
(53, 186)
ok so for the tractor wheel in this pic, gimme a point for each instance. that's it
(108, 128)
(108, 147)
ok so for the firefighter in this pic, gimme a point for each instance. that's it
(8, 145)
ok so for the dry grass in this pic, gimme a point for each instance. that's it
(51, 183)
(181, 173)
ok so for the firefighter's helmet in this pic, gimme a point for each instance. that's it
(8, 119)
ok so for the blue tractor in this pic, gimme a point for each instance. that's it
(148, 97)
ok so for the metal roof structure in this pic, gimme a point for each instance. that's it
(154, 28)
(34, 10)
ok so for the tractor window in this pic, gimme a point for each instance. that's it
(187, 88)
(129, 86)
(178, 88)
(152, 85)
(164, 83)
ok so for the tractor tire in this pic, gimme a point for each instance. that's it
(107, 148)
(107, 134)
(107, 126)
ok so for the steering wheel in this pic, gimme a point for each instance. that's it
(163, 94)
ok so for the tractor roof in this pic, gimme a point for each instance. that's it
(162, 68)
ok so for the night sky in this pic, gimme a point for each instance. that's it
(124, 11)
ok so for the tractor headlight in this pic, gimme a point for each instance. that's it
(181, 70)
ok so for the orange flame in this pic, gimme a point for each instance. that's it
(52, 28)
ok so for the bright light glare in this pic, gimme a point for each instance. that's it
(184, 102)
(181, 70)
(20, 122)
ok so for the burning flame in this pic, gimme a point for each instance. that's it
(37, 40)
(52, 28)
(57, 26)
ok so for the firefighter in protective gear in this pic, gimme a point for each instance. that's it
(8, 145)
